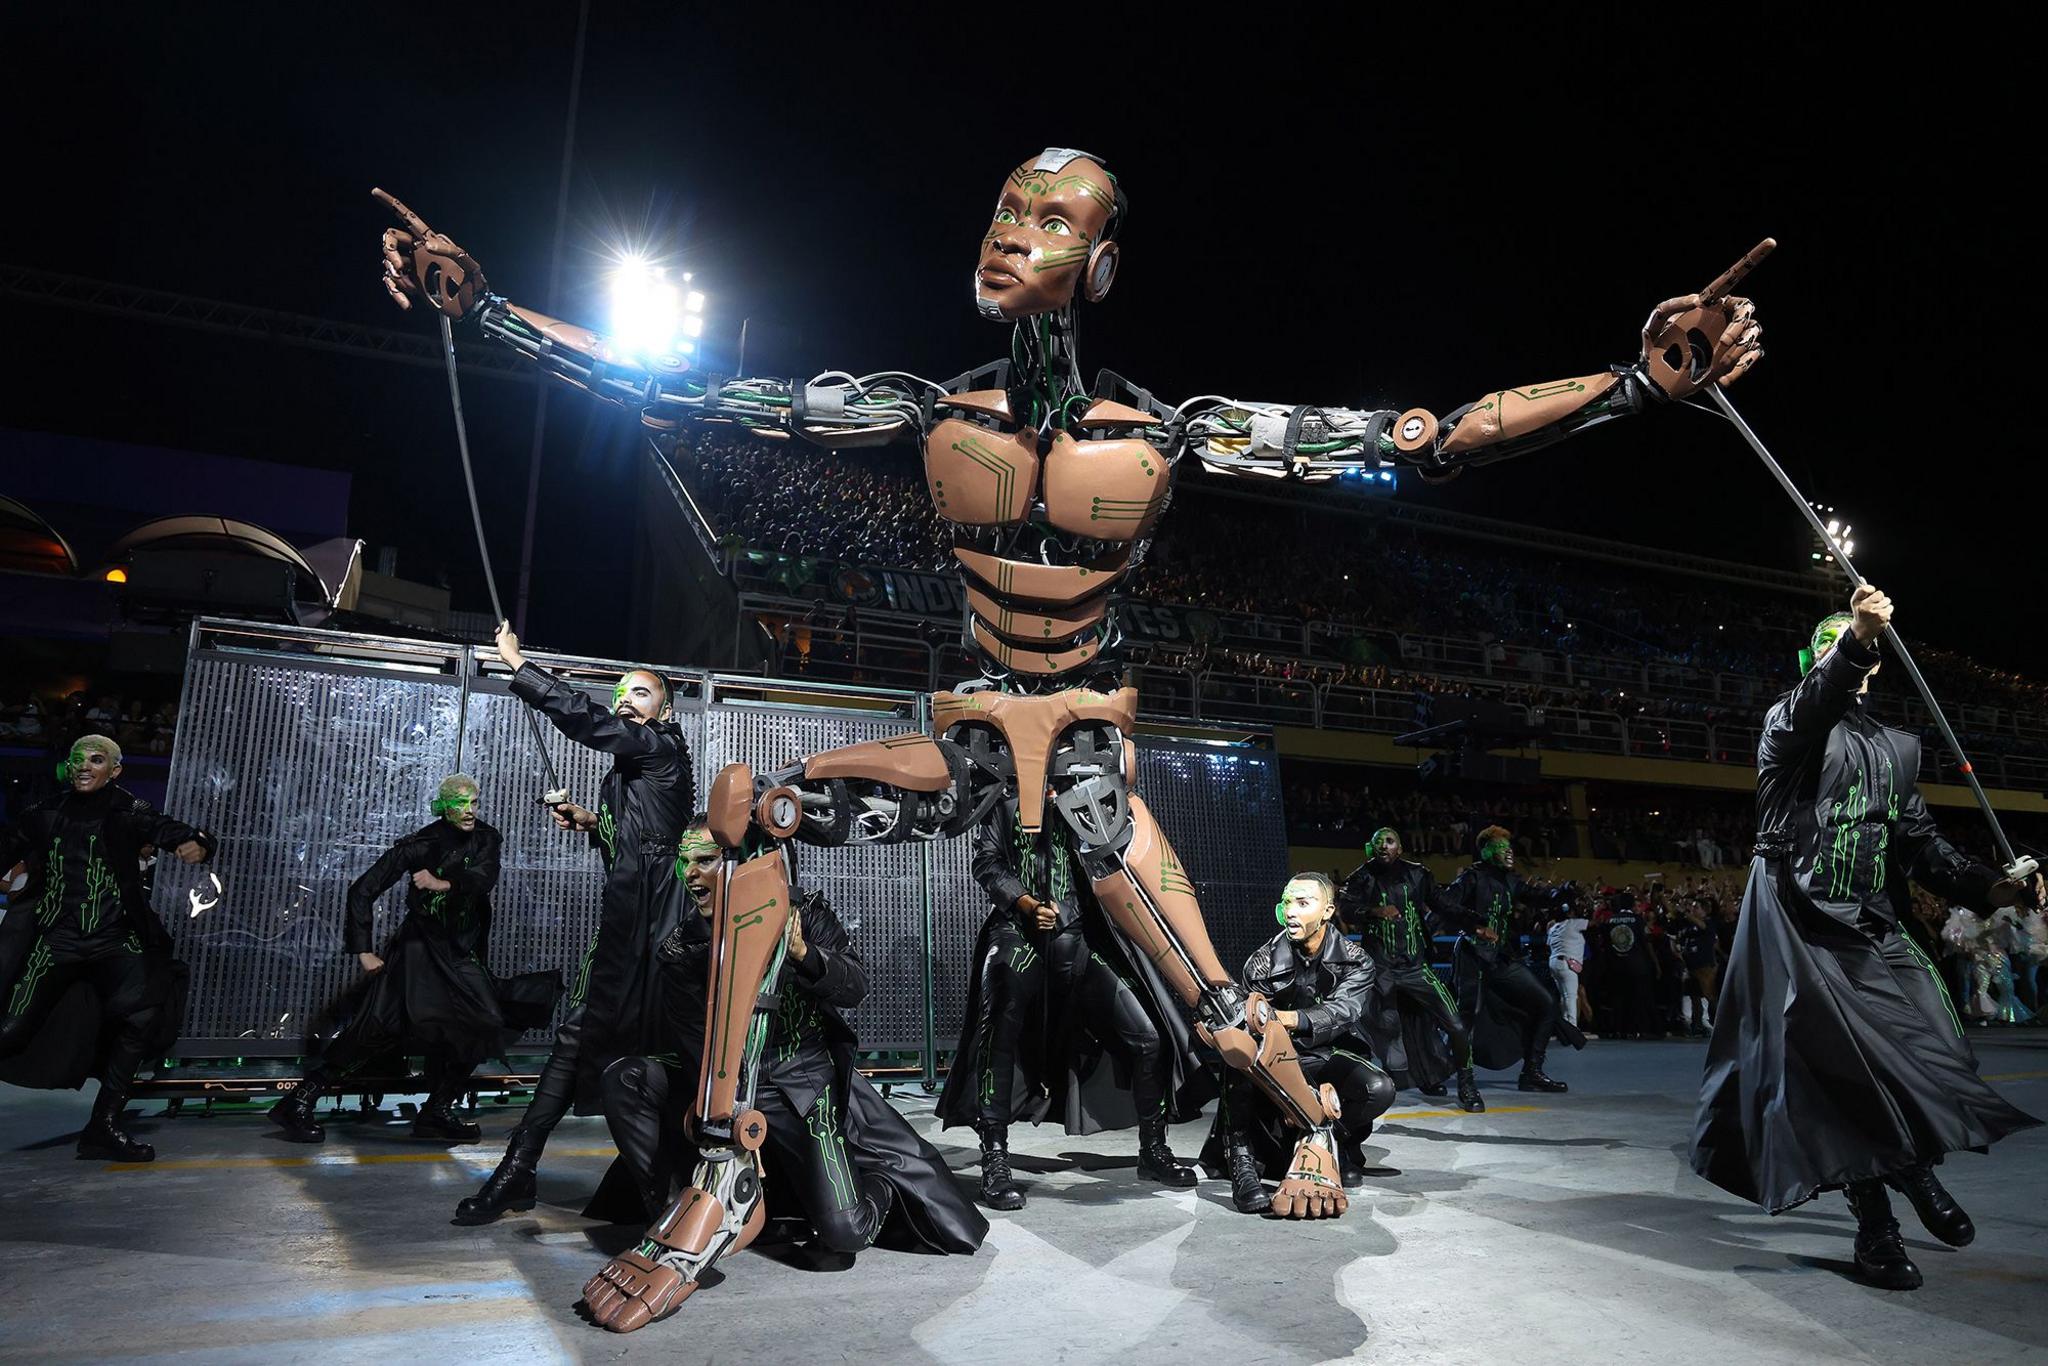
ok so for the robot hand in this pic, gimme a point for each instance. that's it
(1711, 337)
(422, 263)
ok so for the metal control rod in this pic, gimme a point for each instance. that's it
(555, 793)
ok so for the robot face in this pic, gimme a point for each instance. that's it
(1045, 224)
(1498, 852)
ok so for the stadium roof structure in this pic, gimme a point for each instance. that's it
(30, 545)
(197, 532)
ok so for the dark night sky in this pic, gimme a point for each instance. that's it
(1363, 213)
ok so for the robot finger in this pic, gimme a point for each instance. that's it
(1741, 367)
(397, 206)
(1670, 309)
(397, 294)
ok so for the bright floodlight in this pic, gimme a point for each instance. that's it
(695, 302)
(646, 308)
(693, 325)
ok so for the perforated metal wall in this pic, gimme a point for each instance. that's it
(305, 774)
(1220, 808)
(307, 770)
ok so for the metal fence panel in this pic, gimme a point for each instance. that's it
(305, 774)
(307, 768)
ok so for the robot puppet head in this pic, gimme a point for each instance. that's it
(1054, 233)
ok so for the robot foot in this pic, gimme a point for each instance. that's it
(1313, 1187)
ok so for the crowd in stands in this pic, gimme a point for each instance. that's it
(28, 721)
(1369, 574)
(1335, 812)
(802, 500)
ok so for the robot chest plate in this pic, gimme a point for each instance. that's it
(1107, 489)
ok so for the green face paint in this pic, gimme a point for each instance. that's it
(1825, 636)
(1494, 851)
(1385, 843)
(87, 746)
(457, 795)
(694, 845)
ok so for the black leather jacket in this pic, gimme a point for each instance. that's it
(467, 860)
(84, 891)
(1486, 895)
(1409, 888)
(1327, 989)
(1836, 796)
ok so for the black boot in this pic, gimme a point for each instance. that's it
(510, 1187)
(1533, 1077)
(295, 1113)
(998, 1187)
(1247, 1190)
(1435, 1089)
(1350, 1159)
(1156, 1161)
(102, 1139)
(1939, 1213)
(437, 1121)
(1469, 1099)
(1880, 1252)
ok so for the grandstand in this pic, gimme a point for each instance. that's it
(1646, 685)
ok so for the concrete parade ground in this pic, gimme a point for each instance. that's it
(1558, 1228)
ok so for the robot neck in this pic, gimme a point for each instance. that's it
(1045, 367)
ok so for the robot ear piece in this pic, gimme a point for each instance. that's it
(1805, 661)
(1101, 271)
(64, 772)
(1280, 911)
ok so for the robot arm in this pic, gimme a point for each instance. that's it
(832, 409)
(1688, 343)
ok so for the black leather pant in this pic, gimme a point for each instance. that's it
(554, 1092)
(1517, 985)
(1013, 977)
(1364, 1093)
(121, 982)
(1416, 989)
(643, 1104)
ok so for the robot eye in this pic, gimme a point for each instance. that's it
(1057, 225)
(1004, 216)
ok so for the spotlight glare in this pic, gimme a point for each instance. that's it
(693, 326)
(646, 307)
(695, 302)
